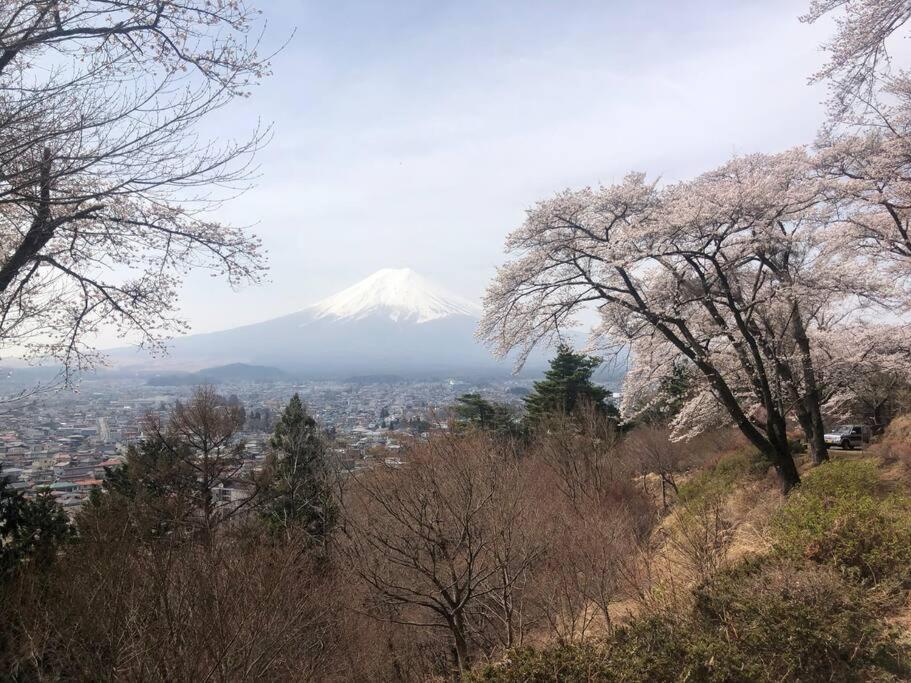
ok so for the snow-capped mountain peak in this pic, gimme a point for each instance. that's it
(400, 294)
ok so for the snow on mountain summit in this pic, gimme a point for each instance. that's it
(400, 294)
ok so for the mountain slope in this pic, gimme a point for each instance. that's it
(235, 372)
(395, 321)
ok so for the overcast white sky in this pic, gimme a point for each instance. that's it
(417, 133)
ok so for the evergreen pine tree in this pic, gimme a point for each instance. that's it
(156, 489)
(672, 391)
(299, 493)
(497, 418)
(566, 386)
(30, 529)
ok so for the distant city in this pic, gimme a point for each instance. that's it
(64, 440)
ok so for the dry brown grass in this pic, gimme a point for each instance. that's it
(899, 431)
(893, 451)
(715, 525)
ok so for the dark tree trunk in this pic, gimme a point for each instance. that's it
(462, 661)
(814, 435)
(787, 471)
(816, 441)
(774, 446)
(819, 451)
(779, 452)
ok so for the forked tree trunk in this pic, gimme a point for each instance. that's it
(780, 453)
(816, 440)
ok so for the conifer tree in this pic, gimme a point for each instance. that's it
(299, 490)
(476, 412)
(30, 529)
(156, 490)
(566, 386)
(668, 399)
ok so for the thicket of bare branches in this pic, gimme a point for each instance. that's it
(115, 608)
(494, 550)
(443, 542)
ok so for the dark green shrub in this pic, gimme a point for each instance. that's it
(840, 517)
(757, 622)
(559, 663)
(763, 621)
(649, 649)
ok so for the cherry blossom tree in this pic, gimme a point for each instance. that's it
(107, 174)
(865, 367)
(865, 143)
(858, 59)
(733, 273)
(748, 275)
(865, 151)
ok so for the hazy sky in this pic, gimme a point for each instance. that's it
(417, 133)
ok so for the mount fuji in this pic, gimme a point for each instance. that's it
(400, 294)
(395, 321)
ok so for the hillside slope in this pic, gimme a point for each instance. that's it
(745, 585)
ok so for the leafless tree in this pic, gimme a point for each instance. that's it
(114, 611)
(700, 538)
(596, 520)
(202, 434)
(439, 543)
(107, 174)
(652, 448)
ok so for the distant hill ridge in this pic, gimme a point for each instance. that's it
(233, 372)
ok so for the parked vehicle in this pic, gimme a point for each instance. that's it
(849, 436)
